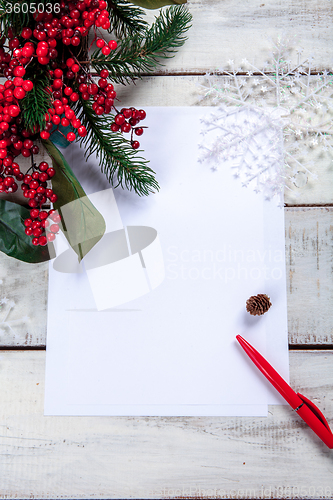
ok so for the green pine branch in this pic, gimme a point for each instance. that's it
(125, 19)
(36, 102)
(142, 52)
(117, 158)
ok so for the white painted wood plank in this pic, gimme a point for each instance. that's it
(26, 286)
(235, 29)
(309, 259)
(108, 457)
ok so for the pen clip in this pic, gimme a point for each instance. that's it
(315, 410)
(316, 420)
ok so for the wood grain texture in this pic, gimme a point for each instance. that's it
(112, 457)
(235, 29)
(309, 261)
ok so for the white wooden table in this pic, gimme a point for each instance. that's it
(107, 457)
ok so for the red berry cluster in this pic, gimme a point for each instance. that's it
(103, 93)
(127, 121)
(35, 188)
(51, 40)
(42, 226)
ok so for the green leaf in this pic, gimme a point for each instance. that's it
(13, 240)
(156, 4)
(82, 224)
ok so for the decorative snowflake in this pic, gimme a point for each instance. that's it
(265, 127)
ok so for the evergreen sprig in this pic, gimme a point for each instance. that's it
(143, 51)
(36, 103)
(117, 158)
(125, 19)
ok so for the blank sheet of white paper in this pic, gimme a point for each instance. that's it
(172, 349)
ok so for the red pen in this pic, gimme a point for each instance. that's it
(305, 408)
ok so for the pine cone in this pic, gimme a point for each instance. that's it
(258, 304)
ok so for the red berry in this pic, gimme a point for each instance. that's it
(34, 184)
(18, 81)
(74, 97)
(43, 166)
(57, 84)
(42, 240)
(106, 50)
(70, 61)
(64, 122)
(37, 232)
(51, 236)
(27, 85)
(135, 144)
(28, 222)
(19, 93)
(69, 113)
(76, 122)
(50, 171)
(34, 213)
(142, 114)
(26, 33)
(71, 136)
(92, 89)
(56, 119)
(54, 216)
(58, 73)
(138, 131)
(43, 60)
(83, 87)
(54, 228)
(102, 82)
(126, 127)
(119, 119)
(28, 143)
(35, 224)
(27, 51)
(112, 44)
(126, 112)
(35, 241)
(100, 43)
(82, 131)
(8, 181)
(42, 51)
(43, 177)
(104, 73)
